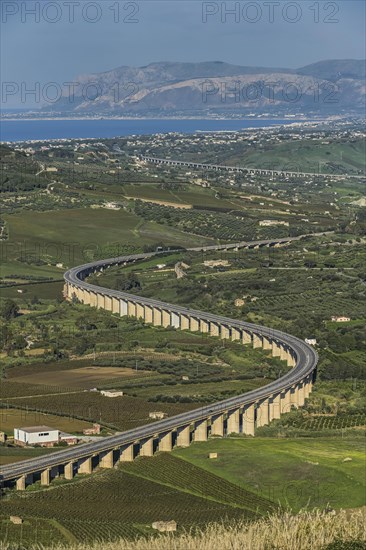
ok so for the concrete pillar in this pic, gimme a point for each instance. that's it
(306, 388)
(295, 397)
(108, 303)
(225, 332)
(257, 341)
(195, 324)
(276, 349)
(184, 322)
(126, 453)
(86, 297)
(106, 460)
(85, 466)
(115, 305)
(72, 291)
(270, 409)
(69, 470)
(46, 477)
(166, 320)
(21, 483)
(123, 308)
(214, 329)
(283, 354)
(204, 326)
(147, 447)
(291, 360)
(267, 343)
(301, 394)
(183, 436)
(165, 442)
(235, 334)
(157, 317)
(131, 309)
(263, 413)
(200, 430)
(275, 411)
(93, 299)
(233, 422)
(100, 301)
(140, 311)
(65, 291)
(248, 420)
(148, 314)
(175, 320)
(217, 425)
(286, 401)
(246, 337)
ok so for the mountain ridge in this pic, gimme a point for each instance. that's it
(330, 86)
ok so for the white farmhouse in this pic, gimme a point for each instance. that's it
(311, 341)
(111, 393)
(36, 435)
(340, 318)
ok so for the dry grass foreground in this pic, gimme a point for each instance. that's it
(304, 531)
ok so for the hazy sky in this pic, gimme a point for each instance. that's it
(62, 39)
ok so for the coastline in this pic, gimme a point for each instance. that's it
(35, 130)
(224, 119)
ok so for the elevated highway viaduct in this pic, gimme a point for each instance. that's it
(250, 171)
(241, 414)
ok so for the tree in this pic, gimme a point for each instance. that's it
(81, 346)
(128, 282)
(9, 310)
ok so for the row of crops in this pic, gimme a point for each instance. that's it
(123, 413)
(172, 471)
(214, 225)
(338, 422)
(325, 304)
(121, 503)
(31, 531)
(20, 389)
(89, 531)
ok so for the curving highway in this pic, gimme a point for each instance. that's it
(290, 390)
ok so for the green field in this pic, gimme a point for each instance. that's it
(78, 235)
(333, 157)
(43, 291)
(184, 195)
(297, 473)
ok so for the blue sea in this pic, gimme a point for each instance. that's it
(26, 130)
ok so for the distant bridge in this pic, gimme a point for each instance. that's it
(240, 414)
(243, 169)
